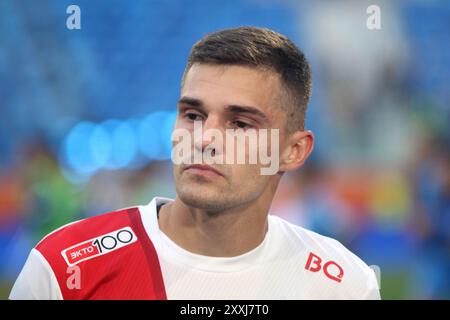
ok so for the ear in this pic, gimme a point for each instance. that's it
(298, 148)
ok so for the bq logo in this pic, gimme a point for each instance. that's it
(98, 246)
(331, 269)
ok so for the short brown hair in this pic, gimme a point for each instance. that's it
(260, 47)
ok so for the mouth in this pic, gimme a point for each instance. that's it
(203, 170)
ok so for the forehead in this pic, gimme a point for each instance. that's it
(233, 85)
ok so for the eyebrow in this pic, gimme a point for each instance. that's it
(247, 109)
(193, 102)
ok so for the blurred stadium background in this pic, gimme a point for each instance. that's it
(86, 117)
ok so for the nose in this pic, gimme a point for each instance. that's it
(203, 134)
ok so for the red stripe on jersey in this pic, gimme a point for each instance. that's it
(150, 253)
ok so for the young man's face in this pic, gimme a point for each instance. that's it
(227, 97)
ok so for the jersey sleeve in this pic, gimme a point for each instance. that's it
(373, 289)
(36, 281)
(372, 294)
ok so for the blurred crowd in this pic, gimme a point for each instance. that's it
(378, 179)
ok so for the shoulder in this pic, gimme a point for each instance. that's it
(105, 256)
(317, 243)
(327, 257)
(81, 234)
(36, 280)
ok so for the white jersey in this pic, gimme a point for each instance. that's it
(290, 263)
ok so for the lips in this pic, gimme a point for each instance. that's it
(203, 167)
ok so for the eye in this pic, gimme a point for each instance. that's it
(241, 124)
(192, 116)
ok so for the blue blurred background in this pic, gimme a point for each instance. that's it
(86, 116)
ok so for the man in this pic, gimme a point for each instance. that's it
(216, 239)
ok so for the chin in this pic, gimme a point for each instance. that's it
(202, 197)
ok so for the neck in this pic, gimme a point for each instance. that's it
(223, 234)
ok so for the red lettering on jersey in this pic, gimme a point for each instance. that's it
(317, 261)
(337, 277)
(313, 259)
